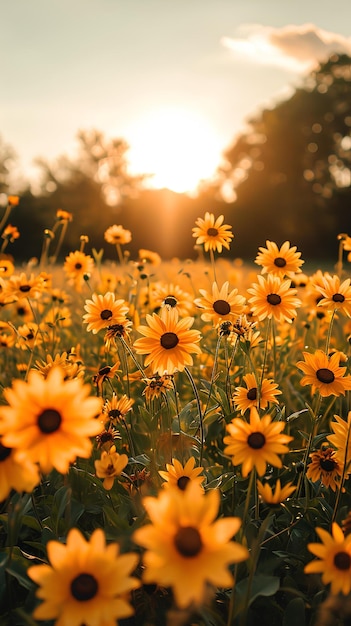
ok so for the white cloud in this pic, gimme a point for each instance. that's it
(296, 48)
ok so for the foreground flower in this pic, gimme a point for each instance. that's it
(86, 582)
(323, 373)
(180, 476)
(104, 311)
(256, 443)
(221, 305)
(283, 261)
(334, 559)
(49, 420)
(325, 467)
(168, 342)
(278, 495)
(246, 397)
(212, 232)
(336, 295)
(186, 549)
(22, 476)
(273, 297)
(110, 465)
(341, 440)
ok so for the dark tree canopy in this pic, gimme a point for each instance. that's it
(291, 171)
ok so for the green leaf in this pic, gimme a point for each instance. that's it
(262, 585)
(295, 613)
(17, 568)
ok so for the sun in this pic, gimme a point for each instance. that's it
(179, 148)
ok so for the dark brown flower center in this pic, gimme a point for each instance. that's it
(188, 541)
(280, 261)
(342, 560)
(78, 266)
(49, 421)
(171, 301)
(84, 587)
(24, 288)
(114, 414)
(106, 314)
(212, 232)
(4, 452)
(252, 394)
(328, 465)
(256, 440)
(274, 299)
(182, 482)
(104, 371)
(222, 307)
(169, 341)
(338, 297)
(325, 375)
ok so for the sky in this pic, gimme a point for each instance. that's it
(176, 79)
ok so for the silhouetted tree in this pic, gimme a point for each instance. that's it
(291, 171)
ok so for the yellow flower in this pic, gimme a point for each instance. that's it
(63, 216)
(212, 232)
(116, 409)
(273, 297)
(20, 286)
(10, 233)
(246, 397)
(283, 261)
(325, 467)
(76, 266)
(156, 387)
(13, 200)
(49, 420)
(336, 295)
(278, 495)
(29, 336)
(110, 465)
(117, 234)
(21, 476)
(256, 443)
(71, 365)
(323, 373)
(186, 549)
(221, 305)
(86, 581)
(341, 440)
(168, 342)
(104, 311)
(334, 559)
(148, 256)
(173, 296)
(7, 268)
(180, 476)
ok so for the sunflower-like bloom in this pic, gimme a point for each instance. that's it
(164, 294)
(49, 420)
(149, 256)
(246, 397)
(325, 467)
(276, 496)
(283, 261)
(322, 372)
(180, 476)
(334, 559)
(68, 361)
(116, 409)
(157, 386)
(341, 440)
(104, 311)
(77, 264)
(22, 286)
(256, 443)
(273, 297)
(212, 232)
(86, 582)
(7, 268)
(186, 549)
(116, 234)
(110, 465)
(168, 342)
(221, 304)
(336, 295)
(21, 476)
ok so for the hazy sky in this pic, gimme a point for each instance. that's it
(119, 65)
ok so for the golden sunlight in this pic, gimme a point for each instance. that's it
(177, 147)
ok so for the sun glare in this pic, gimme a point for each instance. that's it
(178, 148)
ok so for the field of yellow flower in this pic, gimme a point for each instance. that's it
(174, 436)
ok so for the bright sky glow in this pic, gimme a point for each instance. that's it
(177, 147)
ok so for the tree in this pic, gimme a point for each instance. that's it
(291, 170)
